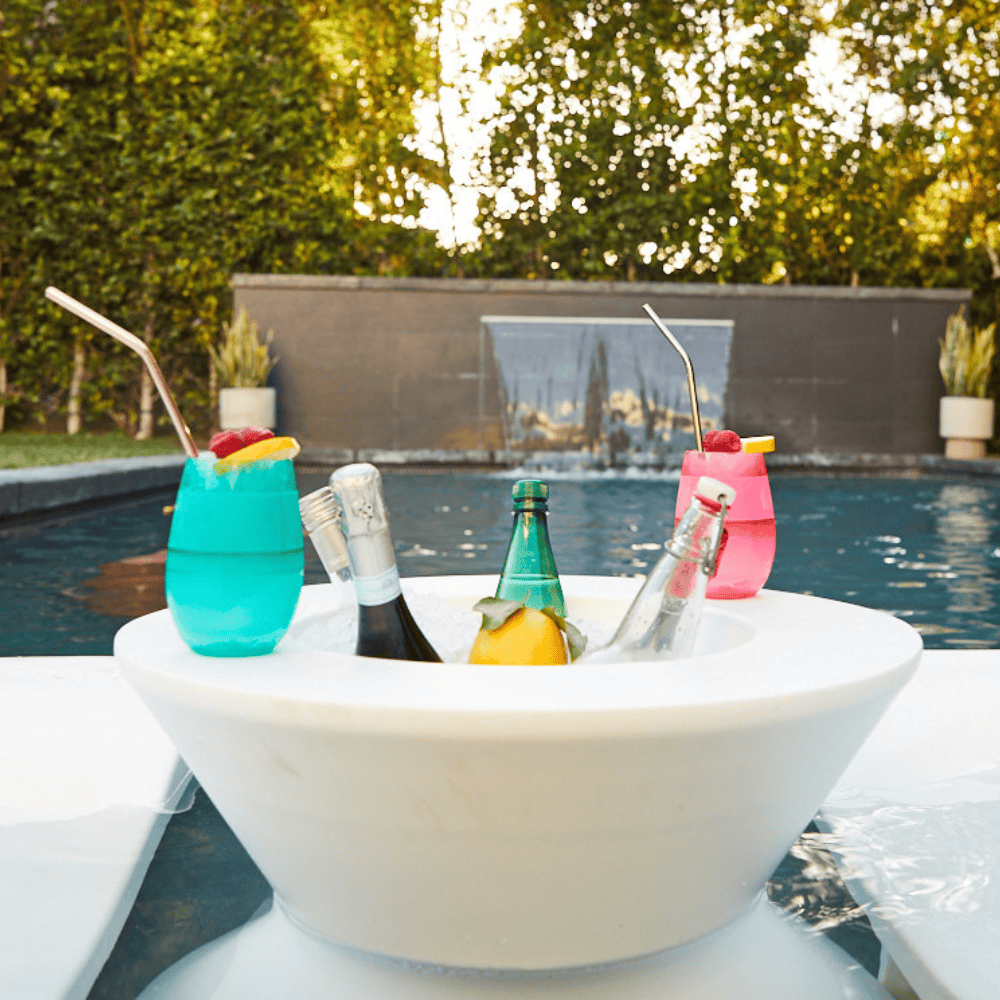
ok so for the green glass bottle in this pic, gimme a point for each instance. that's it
(529, 571)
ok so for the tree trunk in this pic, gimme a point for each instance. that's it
(445, 146)
(146, 389)
(145, 431)
(73, 420)
(995, 261)
(213, 395)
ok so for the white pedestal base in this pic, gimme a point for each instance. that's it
(765, 955)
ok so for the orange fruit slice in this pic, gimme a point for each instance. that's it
(753, 445)
(527, 637)
(273, 449)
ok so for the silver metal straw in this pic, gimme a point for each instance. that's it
(692, 389)
(140, 347)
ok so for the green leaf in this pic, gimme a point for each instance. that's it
(575, 639)
(496, 611)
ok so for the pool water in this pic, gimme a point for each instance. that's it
(924, 549)
(48, 571)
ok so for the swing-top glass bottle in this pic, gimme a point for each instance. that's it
(662, 622)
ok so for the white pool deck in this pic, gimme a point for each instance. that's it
(88, 780)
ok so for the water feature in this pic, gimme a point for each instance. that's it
(610, 391)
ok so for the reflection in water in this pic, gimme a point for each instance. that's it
(964, 528)
(810, 885)
(925, 550)
(915, 858)
(906, 860)
(45, 566)
(127, 588)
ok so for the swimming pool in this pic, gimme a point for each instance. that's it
(926, 549)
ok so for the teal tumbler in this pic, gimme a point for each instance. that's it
(234, 556)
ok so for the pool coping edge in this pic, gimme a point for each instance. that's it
(42, 488)
(47, 487)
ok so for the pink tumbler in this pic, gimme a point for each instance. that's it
(745, 563)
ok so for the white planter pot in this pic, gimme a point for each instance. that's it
(240, 408)
(966, 424)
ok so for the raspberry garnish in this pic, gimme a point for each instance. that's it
(226, 442)
(251, 435)
(721, 441)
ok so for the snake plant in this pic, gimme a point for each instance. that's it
(966, 357)
(242, 361)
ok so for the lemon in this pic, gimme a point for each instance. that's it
(752, 445)
(273, 449)
(527, 637)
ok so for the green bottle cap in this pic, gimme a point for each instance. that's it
(530, 489)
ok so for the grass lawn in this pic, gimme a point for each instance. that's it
(24, 449)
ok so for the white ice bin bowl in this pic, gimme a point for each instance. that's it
(527, 817)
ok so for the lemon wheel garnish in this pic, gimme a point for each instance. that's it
(272, 449)
(752, 445)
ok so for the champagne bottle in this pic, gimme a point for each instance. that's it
(385, 626)
(662, 621)
(529, 571)
(321, 517)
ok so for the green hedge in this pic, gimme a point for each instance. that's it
(149, 150)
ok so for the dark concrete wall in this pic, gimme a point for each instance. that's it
(402, 363)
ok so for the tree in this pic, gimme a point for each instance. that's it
(157, 146)
(223, 159)
(379, 58)
(940, 62)
(705, 140)
(33, 74)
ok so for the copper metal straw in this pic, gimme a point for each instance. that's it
(140, 347)
(692, 389)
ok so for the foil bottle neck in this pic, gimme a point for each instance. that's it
(358, 487)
